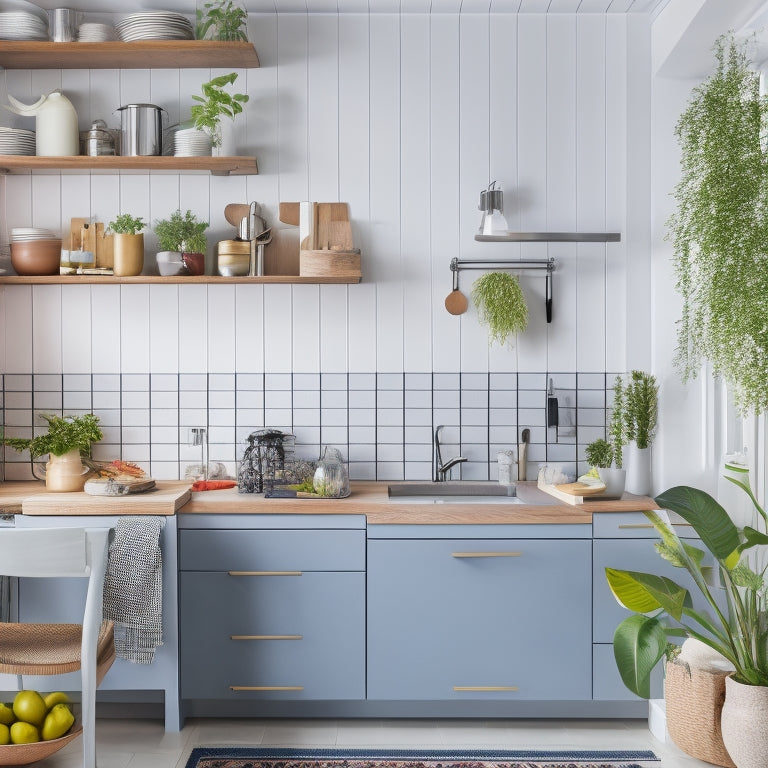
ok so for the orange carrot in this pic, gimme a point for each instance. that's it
(212, 485)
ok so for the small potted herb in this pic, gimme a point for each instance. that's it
(67, 440)
(129, 244)
(500, 305)
(641, 412)
(216, 103)
(221, 20)
(181, 237)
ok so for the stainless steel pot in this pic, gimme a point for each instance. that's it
(141, 129)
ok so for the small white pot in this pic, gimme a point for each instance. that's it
(638, 464)
(614, 480)
(745, 713)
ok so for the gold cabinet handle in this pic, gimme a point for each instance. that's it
(264, 573)
(644, 525)
(486, 554)
(266, 637)
(266, 687)
(461, 688)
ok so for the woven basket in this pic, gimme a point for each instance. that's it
(694, 699)
(24, 754)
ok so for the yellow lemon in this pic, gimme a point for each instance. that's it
(57, 697)
(57, 722)
(24, 733)
(29, 706)
(5, 734)
(6, 714)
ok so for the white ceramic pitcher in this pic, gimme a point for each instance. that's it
(56, 130)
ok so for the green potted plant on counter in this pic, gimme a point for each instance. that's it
(641, 413)
(129, 245)
(601, 457)
(735, 627)
(67, 440)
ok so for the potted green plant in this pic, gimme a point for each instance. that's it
(67, 440)
(129, 244)
(720, 227)
(601, 457)
(500, 305)
(216, 103)
(736, 627)
(221, 20)
(641, 412)
(181, 237)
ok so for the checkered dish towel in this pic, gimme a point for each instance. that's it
(133, 588)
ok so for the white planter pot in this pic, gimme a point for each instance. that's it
(65, 473)
(228, 146)
(614, 480)
(638, 464)
(745, 713)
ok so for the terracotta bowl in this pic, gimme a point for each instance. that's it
(24, 754)
(36, 257)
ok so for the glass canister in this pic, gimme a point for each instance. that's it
(331, 478)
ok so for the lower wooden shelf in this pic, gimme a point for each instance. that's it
(180, 279)
(240, 165)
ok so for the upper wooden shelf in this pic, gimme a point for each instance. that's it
(217, 166)
(187, 279)
(142, 54)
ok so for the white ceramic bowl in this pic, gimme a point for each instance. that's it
(169, 263)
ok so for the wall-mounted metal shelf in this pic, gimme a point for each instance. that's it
(547, 265)
(551, 237)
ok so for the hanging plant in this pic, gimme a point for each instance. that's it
(720, 229)
(500, 305)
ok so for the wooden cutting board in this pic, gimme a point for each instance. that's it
(581, 489)
(166, 499)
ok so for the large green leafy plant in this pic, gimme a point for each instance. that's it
(736, 627)
(181, 232)
(720, 228)
(64, 434)
(216, 103)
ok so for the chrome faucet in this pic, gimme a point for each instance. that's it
(440, 469)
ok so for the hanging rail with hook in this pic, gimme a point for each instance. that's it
(541, 264)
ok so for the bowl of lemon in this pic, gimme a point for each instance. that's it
(35, 726)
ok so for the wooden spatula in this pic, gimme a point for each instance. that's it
(234, 213)
(456, 302)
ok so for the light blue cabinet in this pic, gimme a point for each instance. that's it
(468, 619)
(271, 614)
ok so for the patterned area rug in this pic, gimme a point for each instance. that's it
(274, 757)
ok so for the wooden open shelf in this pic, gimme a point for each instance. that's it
(217, 166)
(142, 54)
(180, 279)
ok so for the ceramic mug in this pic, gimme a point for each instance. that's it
(194, 262)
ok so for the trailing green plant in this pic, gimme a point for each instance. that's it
(599, 453)
(617, 430)
(737, 627)
(125, 224)
(181, 232)
(221, 20)
(500, 304)
(216, 103)
(64, 434)
(641, 408)
(720, 228)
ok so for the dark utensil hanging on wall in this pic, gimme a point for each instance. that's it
(553, 416)
(548, 296)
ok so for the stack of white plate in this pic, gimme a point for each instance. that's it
(90, 32)
(28, 234)
(20, 20)
(17, 141)
(155, 25)
(189, 142)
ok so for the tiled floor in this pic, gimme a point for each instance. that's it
(144, 743)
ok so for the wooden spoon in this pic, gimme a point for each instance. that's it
(456, 302)
(235, 212)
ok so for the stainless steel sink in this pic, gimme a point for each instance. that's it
(453, 492)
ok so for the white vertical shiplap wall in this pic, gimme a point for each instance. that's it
(407, 117)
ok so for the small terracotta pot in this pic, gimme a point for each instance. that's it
(194, 262)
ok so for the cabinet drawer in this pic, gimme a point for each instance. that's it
(272, 550)
(608, 685)
(479, 619)
(302, 636)
(633, 525)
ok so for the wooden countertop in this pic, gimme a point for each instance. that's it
(368, 498)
